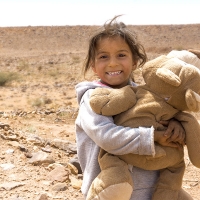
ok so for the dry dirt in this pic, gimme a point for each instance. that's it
(39, 105)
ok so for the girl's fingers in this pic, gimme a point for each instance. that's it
(164, 122)
(173, 144)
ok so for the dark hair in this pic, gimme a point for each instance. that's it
(113, 29)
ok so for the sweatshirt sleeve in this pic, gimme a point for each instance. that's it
(114, 139)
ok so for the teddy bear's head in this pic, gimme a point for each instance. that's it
(175, 81)
(190, 56)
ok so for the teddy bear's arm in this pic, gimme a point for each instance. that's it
(192, 129)
(109, 102)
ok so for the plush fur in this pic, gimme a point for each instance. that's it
(171, 87)
(191, 56)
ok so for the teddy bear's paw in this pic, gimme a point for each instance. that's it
(114, 182)
(99, 98)
(165, 194)
(184, 195)
(109, 102)
(159, 153)
(120, 191)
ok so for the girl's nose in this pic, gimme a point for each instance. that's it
(113, 62)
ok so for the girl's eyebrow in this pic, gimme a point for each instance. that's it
(122, 50)
(100, 52)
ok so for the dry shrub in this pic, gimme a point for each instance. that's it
(76, 59)
(7, 77)
(23, 65)
(40, 101)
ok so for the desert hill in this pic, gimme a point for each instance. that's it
(56, 40)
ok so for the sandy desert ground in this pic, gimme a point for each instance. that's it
(40, 67)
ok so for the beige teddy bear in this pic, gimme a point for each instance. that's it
(171, 86)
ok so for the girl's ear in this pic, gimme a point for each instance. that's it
(134, 65)
(92, 65)
(94, 69)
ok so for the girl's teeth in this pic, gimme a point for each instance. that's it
(114, 73)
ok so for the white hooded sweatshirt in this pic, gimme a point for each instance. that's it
(94, 131)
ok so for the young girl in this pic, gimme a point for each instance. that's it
(114, 53)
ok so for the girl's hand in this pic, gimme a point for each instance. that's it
(164, 140)
(175, 132)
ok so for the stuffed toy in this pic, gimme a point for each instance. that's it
(191, 56)
(171, 90)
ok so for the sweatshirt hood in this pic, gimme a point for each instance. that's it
(82, 87)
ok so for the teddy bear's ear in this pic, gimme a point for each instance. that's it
(192, 100)
(168, 76)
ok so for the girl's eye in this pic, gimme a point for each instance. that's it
(122, 55)
(102, 56)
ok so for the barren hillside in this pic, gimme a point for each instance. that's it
(40, 41)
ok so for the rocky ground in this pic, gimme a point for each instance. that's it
(39, 68)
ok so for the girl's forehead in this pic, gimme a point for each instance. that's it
(111, 41)
(109, 38)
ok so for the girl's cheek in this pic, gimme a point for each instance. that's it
(94, 69)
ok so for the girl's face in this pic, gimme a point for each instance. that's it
(113, 62)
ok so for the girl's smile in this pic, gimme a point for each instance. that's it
(114, 73)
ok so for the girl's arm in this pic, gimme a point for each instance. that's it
(114, 139)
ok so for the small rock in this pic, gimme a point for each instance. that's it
(13, 143)
(53, 166)
(72, 168)
(59, 187)
(28, 155)
(11, 185)
(7, 166)
(40, 158)
(22, 148)
(76, 183)
(46, 149)
(60, 174)
(43, 197)
(10, 151)
(74, 161)
(65, 145)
